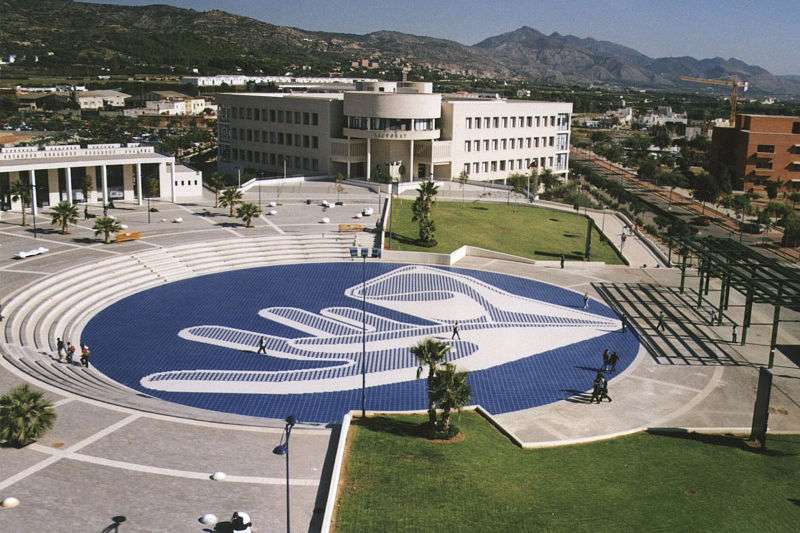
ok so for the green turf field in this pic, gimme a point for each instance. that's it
(531, 232)
(397, 481)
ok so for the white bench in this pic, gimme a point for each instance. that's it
(37, 251)
(367, 211)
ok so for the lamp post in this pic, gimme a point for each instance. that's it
(148, 209)
(33, 210)
(364, 253)
(283, 449)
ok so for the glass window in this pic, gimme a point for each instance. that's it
(502, 165)
(249, 113)
(315, 164)
(485, 166)
(306, 118)
(288, 139)
(511, 142)
(477, 146)
(494, 144)
(513, 122)
(297, 139)
(505, 122)
(469, 123)
(466, 168)
(494, 166)
(504, 144)
(496, 122)
(256, 114)
(306, 141)
(272, 115)
(478, 122)
(280, 137)
(476, 167)
(315, 142)
(766, 148)
(314, 119)
(297, 161)
(280, 115)
(486, 122)
(467, 146)
(486, 144)
(288, 117)
(530, 121)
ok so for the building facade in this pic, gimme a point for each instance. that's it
(243, 79)
(759, 149)
(399, 130)
(101, 99)
(97, 173)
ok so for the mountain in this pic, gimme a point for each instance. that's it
(70, 37)
(568, 59)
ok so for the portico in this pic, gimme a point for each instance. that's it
(95, 174)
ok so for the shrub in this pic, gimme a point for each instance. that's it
(25, 415)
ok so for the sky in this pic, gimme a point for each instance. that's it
(760, 32)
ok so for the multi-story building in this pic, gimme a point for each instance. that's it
(243, 79)
(758, 149)
(397, 129)
(101, 99)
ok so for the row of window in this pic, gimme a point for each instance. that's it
(269, 159)
(279, 116)
(392, 124)
(561, 120)
(187, 182)
(770, 149)
(561, 142)
(273, 137)
(520, 165)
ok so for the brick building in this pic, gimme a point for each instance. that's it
(759, 149)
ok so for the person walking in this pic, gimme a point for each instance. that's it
(713, 317)
(660, 326)
(597, 385)
(59, 348)
(262, 346)
(603, 389)
(562, 260)
(585, 301)
(612, 362)
(455, 331)
(70, 353)
(733, 333)
(605, 360)
(85, 353)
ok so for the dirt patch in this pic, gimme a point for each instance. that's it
(455, 439)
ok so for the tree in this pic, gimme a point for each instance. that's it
(106, 226)
(648, 168)
(64, 214)
(25, 415)
(791, 230)
(152, 187)
(21, 192)
(216, 182)
(705, 189)
(548, 179)
(421, 212)
(451, 391)
(247, 212)
(772, 189)
(431, 353)
(339, 187)
(794, 198)
(462, 179)
(661, 136)
(229, 198)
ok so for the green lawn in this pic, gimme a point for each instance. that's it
(531, 232)
(396, 481)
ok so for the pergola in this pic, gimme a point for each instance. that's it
(761, 279)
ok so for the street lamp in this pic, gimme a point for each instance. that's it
(364, 253)
(283, 449)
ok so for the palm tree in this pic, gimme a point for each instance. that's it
(21, 192)
(64, 214)
(106, 226)
(421, 211)
(229, 198)
(247, 212)
(25, 415)
(430, 353)
(451, 391)
(216, 182)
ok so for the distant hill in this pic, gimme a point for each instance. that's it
(80, 38)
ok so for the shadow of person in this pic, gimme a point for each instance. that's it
(222, 527)
(114, 526)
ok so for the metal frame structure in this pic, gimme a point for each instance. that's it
(761, 279)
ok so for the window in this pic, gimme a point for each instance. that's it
(494, 166)
(486, 122)
(315, 164)
(280, 115)
(476, 167)
(512, 143)
(766, 148)
(234, 113)
(469, 123)
(272, 159)
(466, 168)
(496, 122)
(306, 118)
(297, 115)
(552, 141)
(272, 137)
(288, 117)
(467, 146)
(297, 161)
(530, 121)
(504, 143)
(521, 122)
(505, 122)
(306, 141)
(477, 145)
(477, 122)
(249, 113)
(314, 119)
(257, 136)
(264, 115)
(519, 164)
(249, 135)
(297, 139)
(764, 163)
(796, 127)
(519, 142)
(486, 144)
(510, 164)
(256, 114)
(485, 166)
(280, 137)
(314, 142)
(513, 122)
(494, 144)
(288, 139)
(503, 166)
(306, 163)
(538, 121)
(528, 145)
(272, 115)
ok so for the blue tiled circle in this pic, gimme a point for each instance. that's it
(138, 336)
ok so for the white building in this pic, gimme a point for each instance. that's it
(101, 99)
(391, 128)
(170, 103)
(243, 79)
(105, 171)
(663, 116)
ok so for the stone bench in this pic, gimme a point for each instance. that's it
(30, 253)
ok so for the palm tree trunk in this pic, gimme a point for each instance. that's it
(107, 239)
(23, 214)
(446, 420)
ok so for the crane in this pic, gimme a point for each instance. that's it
(733, 83)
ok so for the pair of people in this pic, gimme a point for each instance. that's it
(600, 389)
(609, 361)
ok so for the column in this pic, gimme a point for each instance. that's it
(104, 178)
(91, 184)
(172, 180)
(68, 178)
(53, 196)
(34, 207)
(369, 159)
(348, 157)
(139, 182)
(127, 182)
(15, 205)
(411, 161)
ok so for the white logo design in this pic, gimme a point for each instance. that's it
(495, 326)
